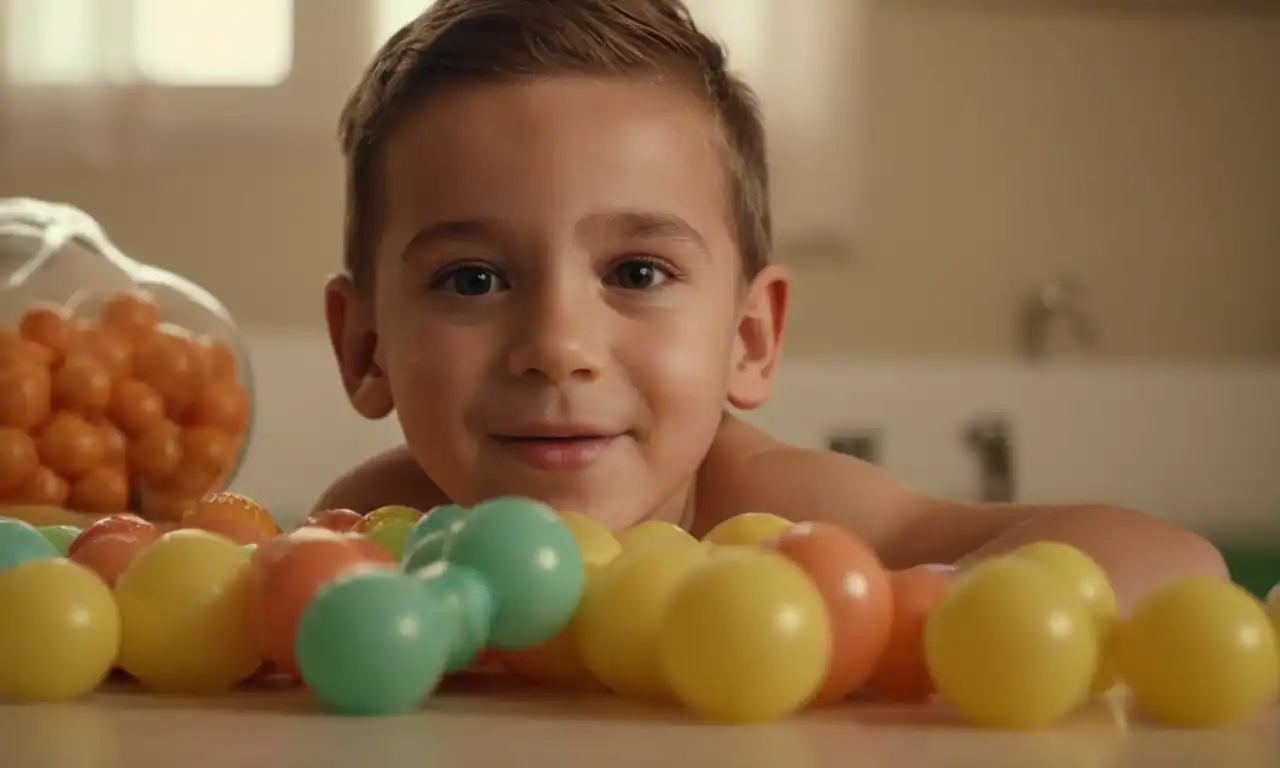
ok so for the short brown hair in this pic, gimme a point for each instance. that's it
(473, 41)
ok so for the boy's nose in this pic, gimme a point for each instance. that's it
(559, 341)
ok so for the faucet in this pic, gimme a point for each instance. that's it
(1062, 299)
(990, 440)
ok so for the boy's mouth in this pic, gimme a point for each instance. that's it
(552, 451)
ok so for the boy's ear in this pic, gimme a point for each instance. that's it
(758, 344)
(355, 345)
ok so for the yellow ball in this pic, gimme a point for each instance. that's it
(1273, 606)
(618, 624)
(747, 638)
(1083, 575)
(655, 532)
(596, 543)
(60, 631)
(748, 529)
(1011, 646)
(1199, 653)
(183, 615)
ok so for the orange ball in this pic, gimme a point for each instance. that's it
(156, 454)
(902, 674)
(207, 450)
(132, 315)
(82, 384)
(103, 489)
(19, 458)
(288, 572)
(855, 587)
(43, 487)
(124, 524)
(237, 517)
(164, 361)
(48, 326)
(26, 396)
(339, 520)
(135, 407)
(223, 404)
(110, 349)
(110, 554)
(114, 443)
(70, 445)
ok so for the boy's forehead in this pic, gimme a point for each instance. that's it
(568, 145)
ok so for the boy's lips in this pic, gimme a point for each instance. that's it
(566, 452)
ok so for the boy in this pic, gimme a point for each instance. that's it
(557, 274)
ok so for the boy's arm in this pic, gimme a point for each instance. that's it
(747, 470)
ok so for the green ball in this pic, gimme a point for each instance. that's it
(60, 536)
(465, 595)
(373, 643)
(431, 535)
(20, 541)
(531, 562)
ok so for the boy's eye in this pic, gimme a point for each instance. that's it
(470, 280)
(638, 274)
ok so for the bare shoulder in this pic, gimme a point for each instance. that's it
(719, 488)
(390, 477)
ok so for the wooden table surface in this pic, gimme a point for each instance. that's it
(527, 728)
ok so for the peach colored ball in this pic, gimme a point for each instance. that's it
(855, 587)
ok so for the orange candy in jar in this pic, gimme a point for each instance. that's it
(122, 387)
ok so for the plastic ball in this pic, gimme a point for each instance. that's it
(60, 634)
(748, 529)
(184, 615)
(1199, 653)
(859, 600)
(654, 532)
(336, 520)
(389, 528)
(559, 662)
(746, 638)
(60, 536)
(1011, 646)
(901, 674)
(235, 516)
(112, 525)
(109, 555)
(373, 643)
(595, 542)
(1090, 582)
(430, 535)
(21, 542)
(1273, 608)
(465, 596)
(391, 535)
(285, 575)
(383, 515)
(620, 620)
(531, 562)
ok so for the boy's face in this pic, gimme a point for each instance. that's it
(558, 309)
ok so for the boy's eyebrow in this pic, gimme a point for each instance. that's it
(454, 231)
(653, 225)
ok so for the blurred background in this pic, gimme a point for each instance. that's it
(1036, 245)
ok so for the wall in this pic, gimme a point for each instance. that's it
(1139, 149)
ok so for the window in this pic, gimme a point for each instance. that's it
(240, 43)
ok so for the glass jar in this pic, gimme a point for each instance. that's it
(123, 387)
